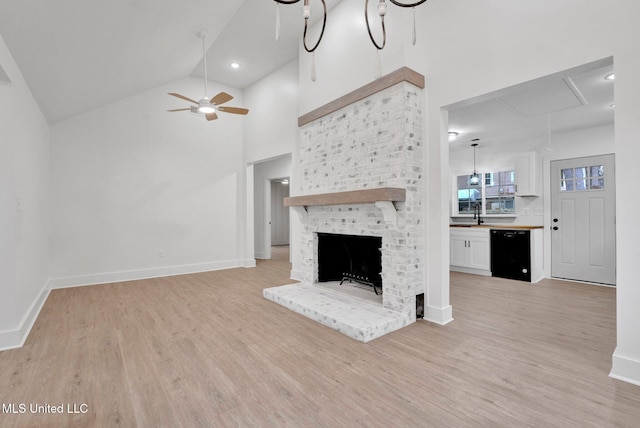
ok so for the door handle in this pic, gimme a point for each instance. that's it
(555, 227)
(555, 220)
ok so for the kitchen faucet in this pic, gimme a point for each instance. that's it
(476, 213)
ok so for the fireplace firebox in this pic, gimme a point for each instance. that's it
(350, 258)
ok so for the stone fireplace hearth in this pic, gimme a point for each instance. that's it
(361, 175)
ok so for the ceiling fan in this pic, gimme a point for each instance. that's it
(208, 106)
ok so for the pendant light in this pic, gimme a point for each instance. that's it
(474, 179)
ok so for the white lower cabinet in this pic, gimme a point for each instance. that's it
(470, 251)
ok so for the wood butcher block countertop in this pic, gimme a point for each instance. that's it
(497, 226)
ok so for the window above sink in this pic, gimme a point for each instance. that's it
(495, 194)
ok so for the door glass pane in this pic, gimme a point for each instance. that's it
(581, 172)
(577, 178)
(597, 183)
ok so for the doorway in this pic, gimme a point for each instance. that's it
(270, 218)
(279, 213)
(583, 244)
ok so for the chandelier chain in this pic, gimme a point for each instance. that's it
(382, 9)
(384, 31)
(306, 24)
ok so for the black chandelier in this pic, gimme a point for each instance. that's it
(382, 11)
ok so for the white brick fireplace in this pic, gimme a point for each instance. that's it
(361, 169)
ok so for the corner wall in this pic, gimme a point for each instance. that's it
(24, 204)
(140, 192)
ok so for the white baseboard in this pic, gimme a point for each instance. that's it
(249, 263)
(260, 255)
(472, 271)
(625, 368)
(132, 275)
(440, 316)
(15, 338)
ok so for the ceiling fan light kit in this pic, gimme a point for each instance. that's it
(382, 11)
(208, 106)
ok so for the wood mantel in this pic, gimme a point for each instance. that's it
(365, 196)
(403, 74)
(382, 197)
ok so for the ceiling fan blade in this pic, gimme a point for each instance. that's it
(180, 109)
(221, 98)
(234, 110)
(211, 116)
(183, 97)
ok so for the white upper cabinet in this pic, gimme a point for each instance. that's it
(527, 174)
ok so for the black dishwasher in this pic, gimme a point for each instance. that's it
(511, 254)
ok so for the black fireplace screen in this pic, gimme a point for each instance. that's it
(350, 257)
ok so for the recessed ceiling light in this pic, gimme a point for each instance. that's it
(610, 76)
(453, 135)
(235, 65)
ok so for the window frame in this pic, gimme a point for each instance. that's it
(455, 201)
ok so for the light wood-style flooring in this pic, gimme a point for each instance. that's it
(207, 350)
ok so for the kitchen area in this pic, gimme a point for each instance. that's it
(532, 183)
(486, 237)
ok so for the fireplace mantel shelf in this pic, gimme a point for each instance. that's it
(382, 197)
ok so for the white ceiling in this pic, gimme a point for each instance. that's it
(573, 99)
(79, 55)
(249, 39)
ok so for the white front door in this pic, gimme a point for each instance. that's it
(583, 241)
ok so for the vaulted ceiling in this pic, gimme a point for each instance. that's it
(78, 55)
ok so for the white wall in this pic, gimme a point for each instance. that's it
(270, 132)
(24, 204)
(271, 128)
(473, 47)
(140, 192)
(345, 59)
